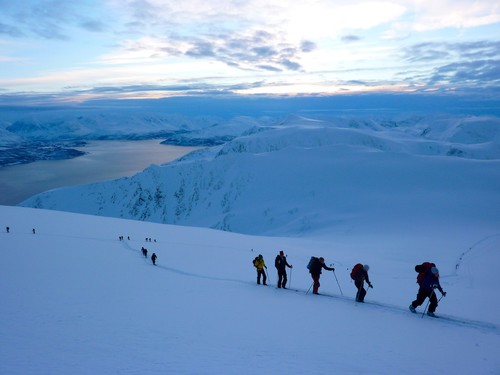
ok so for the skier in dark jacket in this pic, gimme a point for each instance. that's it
(359, 280)
(427, 288)
(281, 264)
(315, 271)
(153, 258)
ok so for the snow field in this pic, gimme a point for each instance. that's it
(77, 300)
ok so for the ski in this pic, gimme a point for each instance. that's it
(293, 290)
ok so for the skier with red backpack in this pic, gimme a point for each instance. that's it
(428, 279)
(359, 274)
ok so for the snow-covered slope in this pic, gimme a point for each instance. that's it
(76, 300)
(305, 175)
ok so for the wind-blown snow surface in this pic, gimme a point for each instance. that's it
(76, 300)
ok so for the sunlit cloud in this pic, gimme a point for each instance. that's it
(162, 47)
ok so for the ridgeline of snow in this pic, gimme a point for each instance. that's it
(322, 175)
(18, 126)
(76, 300)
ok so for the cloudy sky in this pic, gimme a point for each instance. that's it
(157, 48)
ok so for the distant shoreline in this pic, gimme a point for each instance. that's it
(98, 161)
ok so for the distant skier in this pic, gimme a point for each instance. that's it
(33, 230)
(8, 229)
(359, 274)
(153, 258)
(428, 279)
(260, 265)
(281, 264)
(144, 252)
(315, 265)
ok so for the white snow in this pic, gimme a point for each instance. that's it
(388, 192)
(317, 175)
(76, 300)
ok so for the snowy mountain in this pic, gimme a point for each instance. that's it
(49, 134)
(77, 300)
(388, 191)
(316, 175)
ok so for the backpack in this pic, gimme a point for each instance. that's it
(312, 261)
(422, 269)
(277, 261)
(255, 261)
(355, 270)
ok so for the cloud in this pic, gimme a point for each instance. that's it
(434, 15)
(424, 52)
(46, 19)
(307, 46)
(444, 51)
(474, 73)
(92, 25)
(463, 64)
(10, 30)
(201, 48)
(350, 38)
(248, 50)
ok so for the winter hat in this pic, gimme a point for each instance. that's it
(260, 255)
(366, 267)
(282, 253)
(434, 270)
(322, 260)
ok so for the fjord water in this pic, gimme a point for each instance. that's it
(104, 160)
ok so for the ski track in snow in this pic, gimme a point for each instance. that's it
(380, 307)
(189, 305)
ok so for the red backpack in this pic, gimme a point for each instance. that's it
(355, 270)
(422, 269)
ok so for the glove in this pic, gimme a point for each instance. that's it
(444, 294)
(333, 269)
(370, 285)
(265, 267)
(291, 266)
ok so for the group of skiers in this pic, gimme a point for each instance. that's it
(145, 253)
(428, 279)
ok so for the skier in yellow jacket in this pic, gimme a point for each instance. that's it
(260, 265)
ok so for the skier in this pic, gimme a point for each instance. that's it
(8, 229)
(33, 230)
(281, 264)
(260, 265)
(153, 258)
(144, 252)
(430, 282)
(315, 266)
(359, 274)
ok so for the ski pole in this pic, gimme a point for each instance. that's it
(310, 288)
(429, 301)
(338, 283)
(290, 283)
